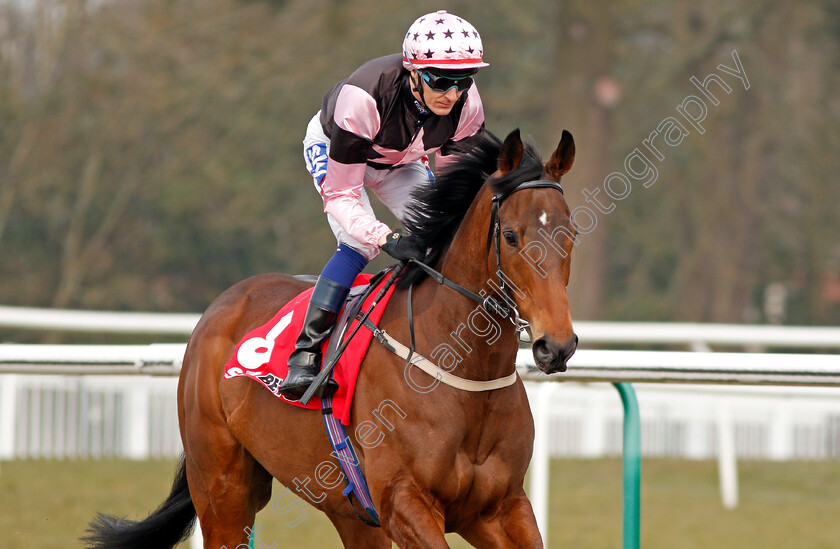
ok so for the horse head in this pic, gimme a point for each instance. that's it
(529, 242)
(534, 250)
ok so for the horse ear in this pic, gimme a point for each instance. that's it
(562, 158)
(512, 151)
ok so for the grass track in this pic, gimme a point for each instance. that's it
(46, 504)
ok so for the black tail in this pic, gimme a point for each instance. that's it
(168, 525)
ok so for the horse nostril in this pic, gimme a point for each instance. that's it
(541, 350)
(551, 356)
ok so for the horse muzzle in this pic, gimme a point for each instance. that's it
(551, 356)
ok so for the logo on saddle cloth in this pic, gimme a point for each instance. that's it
(264, 352)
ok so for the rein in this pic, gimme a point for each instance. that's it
(505, 308)
(326, 371)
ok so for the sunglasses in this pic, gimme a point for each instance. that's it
(442, 84)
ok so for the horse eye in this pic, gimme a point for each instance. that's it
(511, 238)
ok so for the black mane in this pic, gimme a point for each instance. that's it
(436, 211)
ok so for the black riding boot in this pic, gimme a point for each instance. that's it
(305, 360)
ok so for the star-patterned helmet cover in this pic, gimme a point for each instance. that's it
(444, 41)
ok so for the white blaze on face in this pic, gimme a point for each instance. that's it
(544, 218)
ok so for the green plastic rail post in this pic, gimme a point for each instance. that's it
(632, 465)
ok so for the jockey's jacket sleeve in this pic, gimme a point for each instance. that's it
(470, 124)
(356, 124)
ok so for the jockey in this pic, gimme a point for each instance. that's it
(375, 131)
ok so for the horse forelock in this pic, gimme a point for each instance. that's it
(529, 169)
(436, 211)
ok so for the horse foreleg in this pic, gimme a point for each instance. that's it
(409, 520)
(510, 525)
(358, 535)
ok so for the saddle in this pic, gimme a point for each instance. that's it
(263, 353)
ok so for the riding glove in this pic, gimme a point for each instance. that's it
(403, 247)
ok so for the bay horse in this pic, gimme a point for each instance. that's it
(445, 460)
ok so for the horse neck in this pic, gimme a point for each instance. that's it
(485, 342)
(466, 259)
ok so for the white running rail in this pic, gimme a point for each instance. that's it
(700, 366)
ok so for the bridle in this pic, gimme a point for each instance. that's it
(496, 230)
(504, 306)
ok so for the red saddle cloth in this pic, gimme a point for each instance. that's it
(263, 353)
